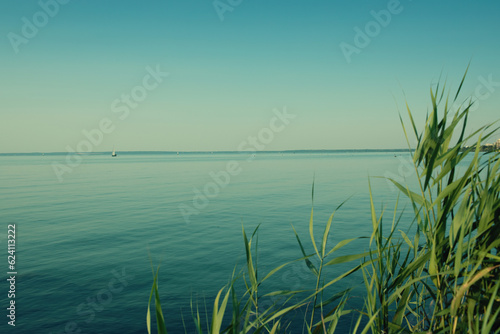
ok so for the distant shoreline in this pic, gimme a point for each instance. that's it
(217, 152)
(395, 150)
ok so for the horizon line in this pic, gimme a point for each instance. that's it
(223, 151)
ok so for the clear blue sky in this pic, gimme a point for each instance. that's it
(226, 76)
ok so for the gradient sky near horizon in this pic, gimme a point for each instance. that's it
(227, 76)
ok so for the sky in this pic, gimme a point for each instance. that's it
(190, 75)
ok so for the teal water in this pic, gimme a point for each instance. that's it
(84, 244)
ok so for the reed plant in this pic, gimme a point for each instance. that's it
(440, 276)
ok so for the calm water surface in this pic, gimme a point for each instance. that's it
(84, 245)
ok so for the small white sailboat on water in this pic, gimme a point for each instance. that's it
(114, 153)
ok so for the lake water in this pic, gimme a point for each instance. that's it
(84, 245)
